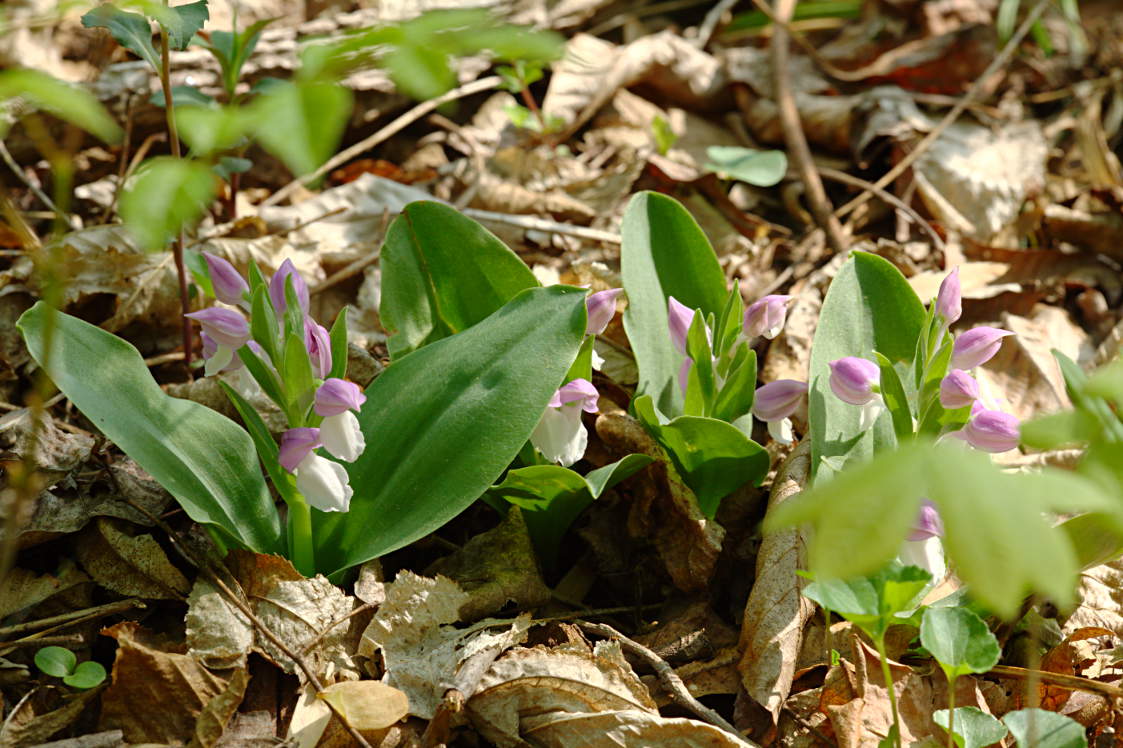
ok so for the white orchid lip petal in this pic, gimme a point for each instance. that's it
(342, 436)
(560, 436)
(323, 484)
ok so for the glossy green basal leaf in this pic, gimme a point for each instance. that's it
(869, 307)
(442, 423)
(551, 497)
(997, 527)
(71, 103)
(959, 640)
(1038, 728)
(715, 458)
(205, 460)
(131, 30)
(301, 122)
(166, 195)
(664, 253)
(972, 728)
(442, 273)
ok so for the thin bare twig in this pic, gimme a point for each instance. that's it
(533, 223)
(668, 678)
(889, 197)
(419, 111)
(793, 131)
(1074, 682)
(73, 617)
(27, 181)
(711, 22)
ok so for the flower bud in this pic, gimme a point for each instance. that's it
(318, 342)
(601, 307)
(976, 346)
(949, 300)
(577, 392)
(296, 444)
(778, 400)
(928, 523)
(337, 396)
(992, 431)
(225, 326)
(852, 380)
(277, 287)
(679, 319)
(958, 390)
(766, 316)
(228, 284)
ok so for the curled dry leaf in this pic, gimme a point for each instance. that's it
(423, 656)
(131, 565)
(23, 727)
(57, 453)
(160, 694)
(776, 611)
(1101, 600)
(21, 589)
(664, 508)
(625, 728)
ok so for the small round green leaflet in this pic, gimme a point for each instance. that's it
(55, 661)
(959, 640)
(1037, 728)
(760, 168)
(86, 675)
(972, 728)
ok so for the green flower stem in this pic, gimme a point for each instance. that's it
(300, 535)
(951, 712)
(888, 676)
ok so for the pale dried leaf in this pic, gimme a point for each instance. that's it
(57, 452)
(22, 589)
(628, 728)
(18, 732)
(776, 611)
(211, 722)
(300, 612)
(1101, 599)
(218, 633)
(367, 704)
(127, 564)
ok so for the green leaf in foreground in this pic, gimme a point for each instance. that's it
(131, 30)
(71, 103)
(959, 640)
(1038, 728)
(760, 168)
(55, 661)
(997, 526)
(442, 423)
(973, 728)
(164, 196)
(205, 460)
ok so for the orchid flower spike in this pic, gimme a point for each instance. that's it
(337, 401)
(976, 346)
(277, 287)
(958, 390)
(318, 342)
(766, 316)
(227, 329)
(775, 403)
(990, 430)
(924, 547)
(949, 300)
(855, 381)
(323, 483)
(228, 284)
(601, 307)
(560, 436)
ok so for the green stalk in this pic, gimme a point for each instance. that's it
(879, 641)
(951, 711)
(300, 535)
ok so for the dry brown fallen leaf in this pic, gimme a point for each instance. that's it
(625, 728)
(130, 565)
(1101, 599)
(33, 724)
(21, 589)
(158, 693)
(776, 611)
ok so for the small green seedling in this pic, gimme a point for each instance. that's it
(665, 137)
(1037, 728)
(961, 642)
(970, 727)
(61, 663)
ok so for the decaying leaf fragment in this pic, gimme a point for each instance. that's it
(133, 565)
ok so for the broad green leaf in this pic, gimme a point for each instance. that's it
(1038, 728)
(869, 307)
(714, 457)
(442, 423)
(267, 448)
(1069, 427)
(873, 602)
(71, 103)
(895, 398)
(551, 497)
(87, 675)
(996, 524)
(301, 122)
(737, 394)
(166, 195)
(420, 73)
(664, 253)
(131, 30)
(227, 166)
(56, 661)
(959, 640)
(205, 460)
(189, 19)
(338, 337)
(760, 168)
(211, 129)
(442, 273)
(972, 728)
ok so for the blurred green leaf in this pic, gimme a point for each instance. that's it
(71, 103)
(207, 130)
(131, 30)
(301, 122)
(760, 168)
(165, 195)
(1038, 728)
(973, 728)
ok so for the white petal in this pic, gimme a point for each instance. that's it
(223, 355)
(781, 430)
(342, 436)
(560, 435)
(928, 554)
(323, 484)
(870, 413)
(598, 361)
